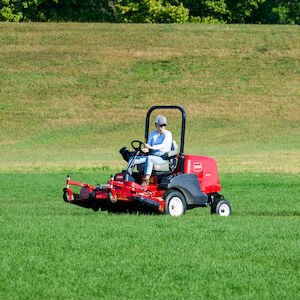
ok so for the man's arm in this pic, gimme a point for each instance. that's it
(166, 144)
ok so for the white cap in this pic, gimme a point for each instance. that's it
(161, 120)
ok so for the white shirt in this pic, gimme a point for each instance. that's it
(161, 141)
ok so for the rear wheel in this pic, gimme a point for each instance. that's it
(175, 204)
(221, 207)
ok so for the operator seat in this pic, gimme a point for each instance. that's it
(171, 162)
(168, 166)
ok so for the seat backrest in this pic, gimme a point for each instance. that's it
(171, 163)
(174, 149)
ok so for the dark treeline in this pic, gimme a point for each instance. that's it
(153, 11)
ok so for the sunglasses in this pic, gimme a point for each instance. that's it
(163, 125)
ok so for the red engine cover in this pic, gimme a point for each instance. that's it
(206, 170)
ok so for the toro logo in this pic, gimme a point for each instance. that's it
(197, 167)
(119, 177)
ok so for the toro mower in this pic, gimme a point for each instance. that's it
(183, 182)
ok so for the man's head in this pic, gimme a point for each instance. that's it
(160, 122)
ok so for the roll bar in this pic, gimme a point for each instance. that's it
(183, 121)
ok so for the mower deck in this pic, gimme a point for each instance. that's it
(116, 196)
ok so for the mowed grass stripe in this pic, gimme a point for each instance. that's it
(52, 249)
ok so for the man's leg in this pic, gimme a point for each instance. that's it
(139, 160)
(150, 161)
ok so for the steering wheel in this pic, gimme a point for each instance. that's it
(137, 145)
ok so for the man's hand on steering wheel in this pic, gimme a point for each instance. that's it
(147, 148)
(140, 146)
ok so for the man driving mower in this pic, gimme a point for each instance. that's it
(158, 144)
(179, 181)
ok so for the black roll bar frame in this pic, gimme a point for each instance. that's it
(183, 122)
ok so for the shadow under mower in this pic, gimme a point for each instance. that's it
(183, 182)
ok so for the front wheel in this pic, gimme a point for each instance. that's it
(221, 207)
(175, 204)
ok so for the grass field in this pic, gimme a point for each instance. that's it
(72, 94)
(70, 90)
(54, 250)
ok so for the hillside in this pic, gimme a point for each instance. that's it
(73, 94)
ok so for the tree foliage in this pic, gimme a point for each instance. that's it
(56, 10)
(153, 11)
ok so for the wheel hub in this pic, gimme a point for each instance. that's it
(224, 210)
(176, 207)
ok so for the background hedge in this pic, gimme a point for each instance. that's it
(153, 11)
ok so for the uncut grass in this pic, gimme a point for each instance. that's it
(70, 91)
(52, 249)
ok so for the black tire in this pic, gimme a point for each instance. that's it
(175, 204)
(66, 196)
(221, 207)
(95, 208)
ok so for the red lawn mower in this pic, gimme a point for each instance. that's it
(183, 182)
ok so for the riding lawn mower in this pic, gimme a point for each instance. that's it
(183, 182)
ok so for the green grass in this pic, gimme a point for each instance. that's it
(70, 91)
(50, 249)
(71, 95)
